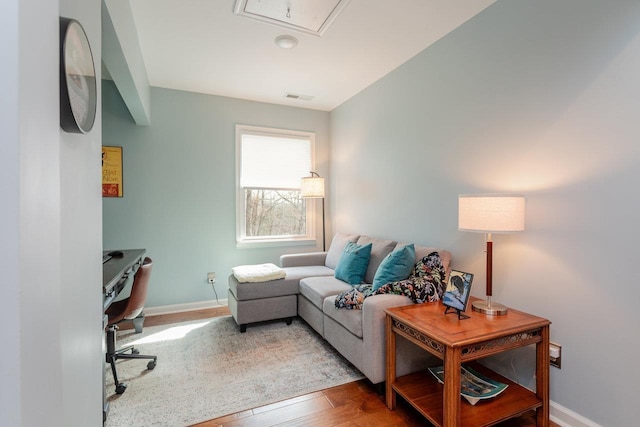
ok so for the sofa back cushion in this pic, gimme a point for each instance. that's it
(338, 243)
(423, 251)
(379, 250)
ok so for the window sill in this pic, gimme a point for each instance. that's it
(274, 243)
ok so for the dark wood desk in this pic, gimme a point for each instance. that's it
(117, 270)
(115, 273)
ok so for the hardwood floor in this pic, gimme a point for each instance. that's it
(353, 404)
(185, 316)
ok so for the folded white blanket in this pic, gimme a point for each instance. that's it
(258, 273)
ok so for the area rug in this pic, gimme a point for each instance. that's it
(207, 369)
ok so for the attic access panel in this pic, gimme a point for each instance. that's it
(308, 16)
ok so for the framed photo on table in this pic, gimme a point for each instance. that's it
(457, 293)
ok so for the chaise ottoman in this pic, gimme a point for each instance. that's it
(251, 302)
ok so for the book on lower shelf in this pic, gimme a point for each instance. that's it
(473, 385)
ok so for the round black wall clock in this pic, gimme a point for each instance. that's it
(78, 95)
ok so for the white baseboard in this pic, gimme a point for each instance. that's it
(177, 308)
(565, 417)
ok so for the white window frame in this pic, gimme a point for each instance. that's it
(244, 241)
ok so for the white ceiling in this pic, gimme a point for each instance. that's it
(203, 46)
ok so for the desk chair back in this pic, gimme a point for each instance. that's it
(131, 307)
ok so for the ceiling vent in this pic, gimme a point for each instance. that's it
(297, 96)
(311, 17)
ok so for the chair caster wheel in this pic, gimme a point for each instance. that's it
(135, 351)
(151, 365)
(120, 388)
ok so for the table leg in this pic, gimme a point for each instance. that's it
(451, 395)
(391, 364)
(542, 378)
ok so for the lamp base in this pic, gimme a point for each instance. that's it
(489, 308)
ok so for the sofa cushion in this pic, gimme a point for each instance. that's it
(379, 249)
(423, 251)
(395, 266)
(351, 320)
(316, 289)
(338, 243)
(353, 263)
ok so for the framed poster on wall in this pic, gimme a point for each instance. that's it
(111, 171)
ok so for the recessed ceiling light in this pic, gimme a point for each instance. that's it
(286, 42)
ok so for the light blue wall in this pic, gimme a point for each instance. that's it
(534, 97)
(179, 180)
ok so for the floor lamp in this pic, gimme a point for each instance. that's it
(490, 213)
(312, 187)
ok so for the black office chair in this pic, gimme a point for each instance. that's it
(128, 309)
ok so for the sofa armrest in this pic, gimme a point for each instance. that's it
(304, 259)
(409, 357)
(373, 332)
(373, 315)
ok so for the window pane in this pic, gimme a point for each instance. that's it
(274, 213)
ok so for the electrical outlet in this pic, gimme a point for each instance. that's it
(211, 277)
(555, 355)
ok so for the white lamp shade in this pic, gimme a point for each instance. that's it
(491, 213)
(312, 188)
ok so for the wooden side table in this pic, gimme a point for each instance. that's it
(460, 341)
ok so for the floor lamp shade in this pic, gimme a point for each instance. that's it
(312, 187)
(490, 213)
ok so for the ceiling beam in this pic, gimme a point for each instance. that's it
(122, 57)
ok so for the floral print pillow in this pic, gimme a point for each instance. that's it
(426, 284)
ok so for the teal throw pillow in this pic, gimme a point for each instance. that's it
(353, 263)
(395, 266)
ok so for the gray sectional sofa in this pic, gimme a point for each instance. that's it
(309, 291)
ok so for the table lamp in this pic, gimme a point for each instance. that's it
(490, 213)
(312, 187)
